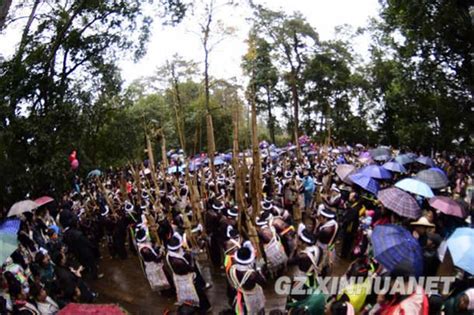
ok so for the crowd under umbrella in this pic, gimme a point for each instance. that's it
(41, 201)
(22, 207)
(381, 154)
(433, 178)
(344, 170)
(365, 157)
(425, 160)
(394, 245)
(415, 186)
(461, 248)
(395, 167)
(399, 202)
(376, 171)
(367, 183)
(448, 206)
(404, 159)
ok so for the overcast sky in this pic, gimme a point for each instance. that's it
(165, 41)
(324, 15)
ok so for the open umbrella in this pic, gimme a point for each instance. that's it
(461, 247)
(380, 154)
(365, 157)
(448, 206)
(8, 238)
(91, 309)
(344, 170)
(394, 245)
(434, 179)
(95, 173)
(404, 159)
(415, 187)
(394, 167)
(376, 171)
(218, 161)
(425, 161)
(365, 182)
(21, 207)
(43, 200)
(399, 202)
(173, 169)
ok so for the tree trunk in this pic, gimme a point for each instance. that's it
(296, 105)
(271, 121)
(256, 178)
(4, 9)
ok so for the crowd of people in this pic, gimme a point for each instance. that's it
(309, 218)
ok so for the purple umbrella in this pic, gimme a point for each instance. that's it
(394, 167)
(448, 206)
(376, 171)
(365, 182)
(399, 202)
(425, 161)
(344, 170)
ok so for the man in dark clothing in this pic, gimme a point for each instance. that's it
(350, 224)
(82, 249)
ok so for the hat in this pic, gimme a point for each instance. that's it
(104, 210)
(231, 232)
(245, 255)
(175, 242)
(264, 218)
(322, 211)
(128, 207)
(305, 235)
(145, 195)
(334, 188)
(218, 205)
(140, 235)
(232, 212)
(288, 174)
(266, 205)
(422, 221)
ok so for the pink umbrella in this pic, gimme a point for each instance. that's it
(447, 206)
(43, 200)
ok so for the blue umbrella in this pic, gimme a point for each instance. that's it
(394, 246)
(376, 171)
(394, 167)
(425, 161)
(227, 157)
(461, 247)
(8, 238)
(415, 186)
(365, 182)
(404, 159)
(94, 173)
(218, 161)
(194, 166)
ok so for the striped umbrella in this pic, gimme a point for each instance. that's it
(394, 245)
(394, 167)
(434, 179)
(365, 182)
(448, 206)
(376, 171)
(415, 187)
(399, 202)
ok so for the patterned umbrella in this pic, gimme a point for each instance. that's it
(432, 178)
(394, 167)
(425, 161)
(344, 170)
(461, 247)
(404, 159)
(415, 187)
(376, 171)
(365, 182)
(21, 207)
(448, 206)
(400, 202)
(394, 245)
